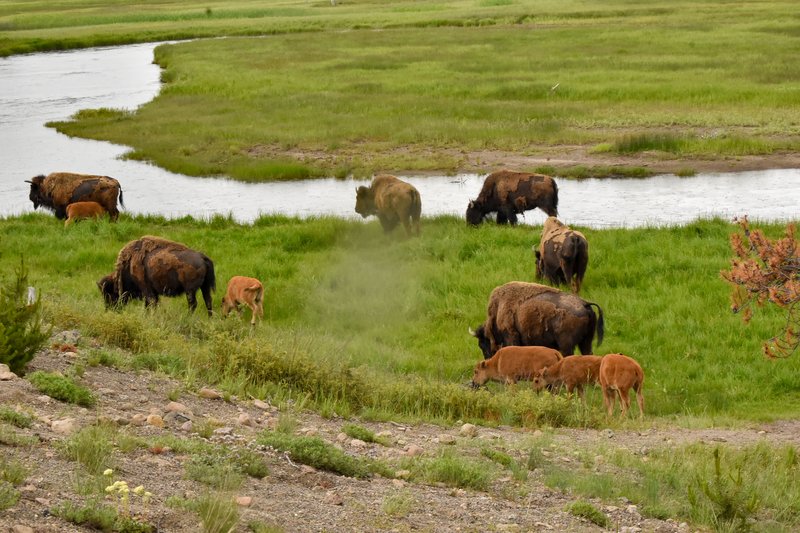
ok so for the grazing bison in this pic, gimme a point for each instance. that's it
(393, 201)
(514, 363)
(59, 189)
(244, 290)
(529, 314)
(619, 374)
(562, 256)
(82, 210)
(507, 193)
(571, 372)
(152, 266)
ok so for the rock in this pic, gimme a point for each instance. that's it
(187, 426)
(412, 450)
(42, 501)
(138, 419)
(223, 431)
(341, 437)
(66, 426)
(7, 375)
(630, 529)
(175, 407)
(28, 488)
(445, 438)
(244, 501)
(245, 420)
(332, 498)
(209, 394)
(468, 430)
(4, 368)
(19, 528)
(71, 355)
(175, 418)
(403, 474)
(607, 433)
(398, 483)
(44, 398)
(264, 406)
(155, 421)
(358, 443)
(306, 469)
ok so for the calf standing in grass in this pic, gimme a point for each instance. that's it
(82, 210)
(573, 372)
(244, 290)
(514, 363)
(619, 374)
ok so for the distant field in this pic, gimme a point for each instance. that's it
(360, 324)
(415, 86)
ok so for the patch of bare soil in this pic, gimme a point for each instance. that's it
(296, 497)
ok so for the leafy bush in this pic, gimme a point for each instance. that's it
(588, 511)
(21, 333)
(61, 388)
(315, 452)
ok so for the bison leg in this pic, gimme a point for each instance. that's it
(624, 401)
(609, 397)
(150, 300)
(191, 297)
(206, 298)
(502, 218)
(640, 400)
(584, 345)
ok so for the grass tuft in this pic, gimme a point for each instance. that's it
(61, 388)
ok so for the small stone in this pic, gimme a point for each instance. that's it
(187, 426)
(175, 407)
(306, 469)
(138, 419)
(7, 376)
(261, 405)
(19, 528)
(398, 483)
(44, 398)
(223, 431)
(71, 355)
(244, 501)
(64, 427)
(762, 432)
(332, 498)
(341, 437)
(155, 421)
(542, 525)
(209, 394)
(42, 501)
(245, 420)
(28, 488)
(607, 433)
(468, 430)
(358, 443)
(4, 368)
(445, 438)
(412, 450)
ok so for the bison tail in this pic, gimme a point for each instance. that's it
(121, 202)
(416, 206)
(555, 200)
(600, 323)
(210, 281)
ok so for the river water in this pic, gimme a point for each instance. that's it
(37, 88)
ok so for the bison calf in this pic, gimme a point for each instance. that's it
(82, 210)
(571, 372)
(514, 363)
(618, 375)
(244, 290)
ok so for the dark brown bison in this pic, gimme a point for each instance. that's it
(152, 266)
(529, 314)
(508, 193)
(393, 201)
(563, 255)
(59, 189)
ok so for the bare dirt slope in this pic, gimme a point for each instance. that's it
(296, 497)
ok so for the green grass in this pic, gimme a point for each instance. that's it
(441, 79)
(61, 388)
(453, 470)
(14, 417)
(315, 452)
(588, 511)
(92, 447)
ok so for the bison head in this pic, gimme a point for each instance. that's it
(109, 291)
(483, 341)
(365, 201)
(36, 194)
(474, 213)
(479, 376)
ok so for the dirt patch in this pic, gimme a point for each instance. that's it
(296, 497)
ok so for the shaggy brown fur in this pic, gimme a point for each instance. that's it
(618, 375)
(563, 255)
(83, 210)
(393, 201)
(514, 363)
(152, 266)
(508, 193)
(59, 189)
(244, 290)
(571, 372)
(529, 314)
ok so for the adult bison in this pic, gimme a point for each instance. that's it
(59, 189)
(529, 314)
(152, 266)
(508, 193)
(393, 201)
(563, 255)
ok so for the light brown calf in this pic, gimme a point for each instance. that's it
(618, 374)
(514, 363)
(244, 290)
(81, 210)
(573, 372)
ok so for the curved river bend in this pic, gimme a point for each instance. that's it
(38, 88)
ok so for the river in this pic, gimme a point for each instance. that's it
(38, 88)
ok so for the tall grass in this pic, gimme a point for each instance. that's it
(360, 324)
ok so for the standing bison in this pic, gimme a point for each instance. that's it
(59, 189)
(529, 314)
(563, 255)
(152, 266)
(393, 201)
(508, 193)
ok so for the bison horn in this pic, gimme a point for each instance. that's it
(28, 181)
(473, 332)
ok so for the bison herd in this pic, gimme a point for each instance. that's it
(530, 332)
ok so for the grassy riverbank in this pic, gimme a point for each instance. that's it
(360, 324)
(443, 85)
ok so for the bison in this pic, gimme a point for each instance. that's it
(393, 201)
(59, 189)
(244, 290)
(618, 375)
(82, 210)
(529, 314)
(514, 363)
(507, 193)
(152, 266)
(571, 372)
(562, 256)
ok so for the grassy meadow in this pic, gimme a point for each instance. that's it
(360, 324)
(418, 86)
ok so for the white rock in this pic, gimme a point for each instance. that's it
(358, 443)
(209, 394)
(19, 528)
(65, 426)
(7, 376)
(261, 405)
(341, 437)
(4, 368)
(244, 501)
(445, 438)
(138, 419)
(468, 430)
(245, 420)
(175, 407)
(332, 498)
(412, 450)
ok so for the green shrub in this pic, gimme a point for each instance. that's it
(100, 517)
(588, 511)
(315, 452)
(12, 471)
(8, 495)
(21, 331)
(218, 512)
(9, 437)
(61, 388)
(359, 432)
(453, 471)
(21, 420)
(209, 470)
(507, 461)
(92, 447)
